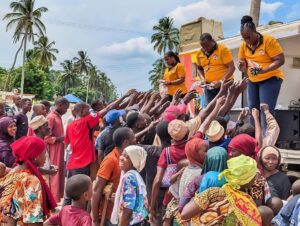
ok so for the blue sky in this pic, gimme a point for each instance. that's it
(116, 34)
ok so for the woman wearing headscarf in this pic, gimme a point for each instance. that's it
(227, 205)
(215, 160)
(25, 196)
(243, 144)
(131, 203)
(195, 151)
(278, 182)
(8, 131)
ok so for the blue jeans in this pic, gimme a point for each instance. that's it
(264, 92)
(210, 94)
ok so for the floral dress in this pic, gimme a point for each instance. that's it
(133, 199)
(25, 200)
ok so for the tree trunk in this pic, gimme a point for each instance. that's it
(23, 67)
(255, 11)
(87, 89)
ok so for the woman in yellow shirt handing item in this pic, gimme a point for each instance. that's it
(174, 77)
(261, 57)
(215, 65)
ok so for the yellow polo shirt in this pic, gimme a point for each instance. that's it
(262, 55)
(172, 74)
(214, 66)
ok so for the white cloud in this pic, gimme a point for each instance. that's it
(211, 9)
(226, 11)
(270, 7)
(133, 48)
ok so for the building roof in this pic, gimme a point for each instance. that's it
(278, 31)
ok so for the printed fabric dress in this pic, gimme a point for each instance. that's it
(21, 197)
(132, 198)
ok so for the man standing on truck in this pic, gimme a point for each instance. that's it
(215, 65)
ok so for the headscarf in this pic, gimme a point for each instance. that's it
(191, 150)
(216, 160)
(241, 170)
(138, 156)
(5, 138)
(267, 150)
(178, 129)
(211, 179)
(173, 111)
(245, 144)
(24, 150)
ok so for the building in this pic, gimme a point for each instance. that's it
(287, 34)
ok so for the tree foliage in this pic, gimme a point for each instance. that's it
(157, 73)
(165, 38)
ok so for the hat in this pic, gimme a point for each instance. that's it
(177, 129)
(137, 155)
(113, 115)
(132, 118)
(215, 131)
(37, 122)
(173, 111)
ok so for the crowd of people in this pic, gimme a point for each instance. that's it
(148, 158)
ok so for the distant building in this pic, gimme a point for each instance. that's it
(287, 34)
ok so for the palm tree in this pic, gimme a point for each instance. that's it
(69, 77)
(83, 64)
(26, 19)
(255, 11)
(166, 36)
(156, 73)
(44, 53)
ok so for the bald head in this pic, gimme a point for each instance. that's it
(39, 109)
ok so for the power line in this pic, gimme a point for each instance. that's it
(96, 28)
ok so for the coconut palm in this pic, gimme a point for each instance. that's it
(26, 20)
(44, 53)
(157, 73)
(69, 77)
(166, 36)
(83, 64)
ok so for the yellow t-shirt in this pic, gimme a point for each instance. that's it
(214, 66)
(173, 74)
(262, 55)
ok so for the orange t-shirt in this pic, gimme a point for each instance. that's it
(214, 66)
(262, 55)
(109, 170)
(173, 74)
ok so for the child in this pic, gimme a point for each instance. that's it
(296, 187)
(79, 189)
(173, 192)
(131, 203)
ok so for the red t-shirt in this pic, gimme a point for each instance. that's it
(177, 152)
(82, 146)
(71, 215)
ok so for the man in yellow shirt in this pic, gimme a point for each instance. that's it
(215, 65)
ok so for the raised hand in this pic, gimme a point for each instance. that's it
(189, 96)
(255, 113)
